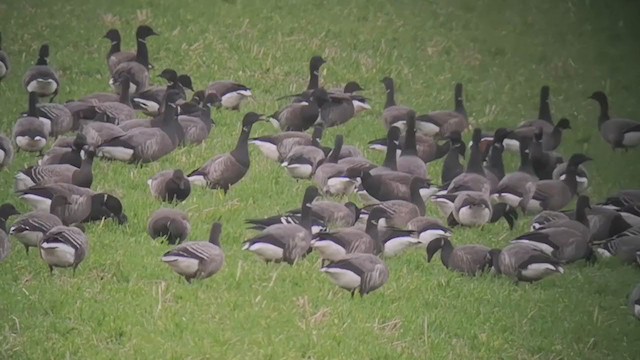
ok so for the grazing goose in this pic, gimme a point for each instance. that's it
(138, 69)
(625, 248)
(409, 162)
(545, 217)
(231, 93)
(63, 247)
(6, 152)
(444, 122)
(618, 132)
(333, 178)
(393, 185)
(98, 133)
(400, 212)
(634, 302)
(171, 224)
(570, 246)
(330, 214)
(452, 166)
(31, 227)
(555, 194)
(302, 160)
(511, 188)
(66, 155)
(362, 272)
(523, 262)
(472, 208)
(198, 126)
(285, 242)
(392, 113)
(6, 210)
(40, 78)
(170, 186)
(224, 170)
(87, 208)
(59, 173)
(197, 259)
(117, 112)
(144, 145)
(428, 149)
(276, 147)
(5, 64)
(29, 132)
(470, 260)
(300, 116)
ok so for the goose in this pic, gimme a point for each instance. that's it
(299, 116)
(625, 248)
(276, 147)
(555, 194)
(544, 162)
(634, 302)
(362, 272)
(87, 208)
(98, 133)
(400, 212)
(360, 103)
(5, 63)
(393, 185)
(6, 152)
(330, 214)
(618, 132)
(66, 155)
(452, 166)
(472, 208)
(63, 247)
(390, 158)
(57, 118)
(494, 164)
(31, 227)
(511, 188)
(474, 178)
(137, 70)
(409, 162)
(315, 63)
(582, 176)
(40, 78)
(570, 245)
(333, 178)
(144, 145)
(547, 216)
(622, 199)
(195, 104)
(198, 126)
(29, 132)
(231, 93)
(117, 112)
(115, 56)
(470, 260)
(338, 110)
(427, 229)
(170, 186)
(285, 242)
(392, 113)
(82, 110)
(39, 197)
(6, 210)
(523, 262)
(224, 170)
(544, 109)
(171, 224)
(334, 245)
(151, 99)
(197, 259)
(444, 122)
(59, 173)
(428, 149)
(302, 160)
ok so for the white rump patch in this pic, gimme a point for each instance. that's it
(299, 171)
(343, 278)
(198, 180)
(398, 245)
(268, 149)
(57, 254)
(328, 249)
(631, 139)
(37, 202)
(265, 251)
(115, 152)
(185, 266)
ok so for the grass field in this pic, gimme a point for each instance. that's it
(124, 303)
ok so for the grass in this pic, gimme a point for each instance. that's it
(124, 303)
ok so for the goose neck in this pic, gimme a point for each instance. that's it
(241, 151)
(391, 101)
(142, 53)
(445, 252)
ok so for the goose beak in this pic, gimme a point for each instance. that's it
(122, 219)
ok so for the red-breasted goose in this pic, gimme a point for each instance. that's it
(41, 78)
(523, 262)
(63, 247)
(29, 132)
(225, 170)
(197, 259)
(5, 63)
(138, 69)
(170, 186)
(285, 242)
(362, 272)
(171, 224)
(618, 132)
(470, 260)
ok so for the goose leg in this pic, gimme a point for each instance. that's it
(26, 249)
(50, 270)
(353, 292)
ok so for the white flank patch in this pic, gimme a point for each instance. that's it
(398, 245)
(506, 198)
(198, 180)
(474, 215)
(268, 149)
(115, 152)
(28, 144)
(265, 251)
(57, 254)
(366, 198)
(2, 155)
(182, 265)
(343, 278)
(359, 106)
(544, 247)
(37, 202)
(149, 106)
(275, 123)
(340, 186)
(636, 311)
(540, 270)
(511, 145)
(3, 69)
(604, 253)
(427, 193)
(42, 86)
(428, 236)
(23, 181)
(426, 128)
(534, 207)
(29, 238)
(378, 147)
(233, 99)
(299, 171)
(328, 250)
(631, 139)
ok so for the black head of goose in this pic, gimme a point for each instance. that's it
(523, 262)
(315, 64)
(286, 242)
(618, 132)
(470, 260)
(71, 154)
(6, 152)
(115, 55)
(31, 227)
(555, 194)
(6, 211)
(86, 208)
(58, 173)
(170, 186)
(29, 132)
(143, 145)
(171, 224)
(138, 69)
(223, 171)
(64, 247)
(362, 272)
(552, 140)
(197, 259)
(40, 78)
(5, 63)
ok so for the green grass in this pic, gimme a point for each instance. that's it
(124, 303)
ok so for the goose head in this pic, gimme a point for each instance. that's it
(7, 210)
(599, 96)
(434, 246)
(185, 81)
(563, 124)
(577, 159)
(113, 35)
(105, 205)
(351, 87)
(170, 75)
(249, 119)
(315, 63)
(388, 83)
(144, 31)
